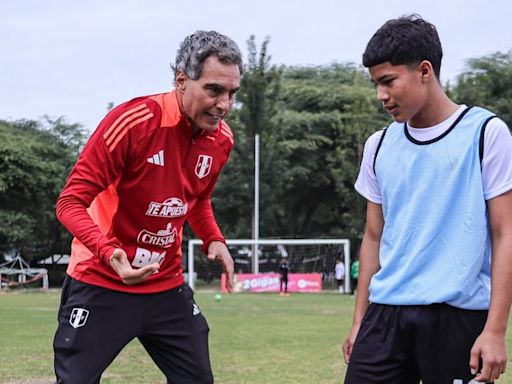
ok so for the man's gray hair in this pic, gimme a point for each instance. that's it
(196, 48)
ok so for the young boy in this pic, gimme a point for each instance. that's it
(434, 289)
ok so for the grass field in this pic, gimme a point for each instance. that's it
(254, 338)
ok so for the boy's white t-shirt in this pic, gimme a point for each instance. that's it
(496, 161)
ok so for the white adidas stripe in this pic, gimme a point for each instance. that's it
(157, 159)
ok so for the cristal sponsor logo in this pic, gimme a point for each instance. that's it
(172, 207)
(78, 317)
(163, 238)
(305, 283)
(203, 166)
(145, 257)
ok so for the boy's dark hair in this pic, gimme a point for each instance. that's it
(403, 41)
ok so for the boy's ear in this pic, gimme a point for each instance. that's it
(426, 70)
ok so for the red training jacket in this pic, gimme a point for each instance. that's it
(137, 181)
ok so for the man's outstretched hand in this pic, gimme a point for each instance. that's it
(218, 251)
(130, 276)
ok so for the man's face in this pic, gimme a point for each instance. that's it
(400, 89)
(207, 100)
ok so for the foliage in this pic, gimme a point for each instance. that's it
(253, 114)
(328, 113)
(313, 122)
(488, 83)
(35, 159)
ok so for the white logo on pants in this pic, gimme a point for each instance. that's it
(78, 317)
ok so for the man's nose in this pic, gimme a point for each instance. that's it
(223, 102)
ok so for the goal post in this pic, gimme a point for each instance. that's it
(303, 255)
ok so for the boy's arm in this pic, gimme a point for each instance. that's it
(368, 266)
(490, 345)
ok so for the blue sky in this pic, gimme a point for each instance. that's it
(71, 58)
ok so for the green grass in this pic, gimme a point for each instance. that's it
(254, 338)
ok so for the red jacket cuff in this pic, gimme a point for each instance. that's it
(207, 243)
(106, 250)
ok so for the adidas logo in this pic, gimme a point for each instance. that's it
(157, 159)
(195, 310)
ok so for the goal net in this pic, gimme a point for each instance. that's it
(262, 258)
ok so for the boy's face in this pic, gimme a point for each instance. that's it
(400, 89)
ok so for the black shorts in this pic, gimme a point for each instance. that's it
(406, 344)
(96, 323)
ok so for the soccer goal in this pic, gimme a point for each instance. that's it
(263, 258)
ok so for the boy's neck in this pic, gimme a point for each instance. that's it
(438, 108)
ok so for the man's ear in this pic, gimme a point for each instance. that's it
(180, 81)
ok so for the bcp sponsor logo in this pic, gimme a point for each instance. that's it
(172, 207)
(145, 257)
(163, 238)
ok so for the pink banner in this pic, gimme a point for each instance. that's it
(269, 282)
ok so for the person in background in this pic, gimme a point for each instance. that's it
(283, 280)
(150, 166)
(434, 291)
(354, 276)
(339, 272)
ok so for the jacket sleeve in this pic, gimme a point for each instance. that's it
(88, 200)
(202, 220)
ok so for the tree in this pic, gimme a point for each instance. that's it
(252, 114)
(328, 112)
(313, 123)
(488, 83)
(35, 159)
